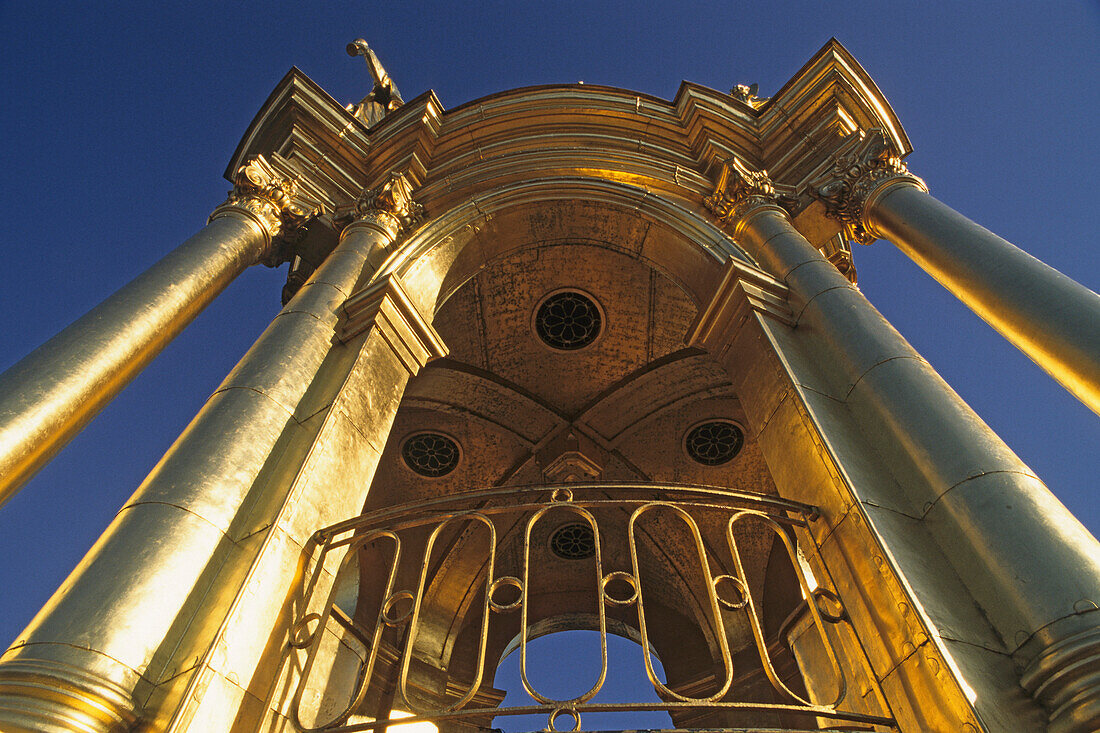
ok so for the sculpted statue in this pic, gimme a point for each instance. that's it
(384, 97)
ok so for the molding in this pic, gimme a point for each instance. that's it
(628, 137)
(64, 696)
(742, 292)
(384, 305)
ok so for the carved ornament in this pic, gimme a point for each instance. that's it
(739, 190)
(864, 164)
(267, 198)
(389, 206)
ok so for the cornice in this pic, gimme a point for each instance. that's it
(575, 131)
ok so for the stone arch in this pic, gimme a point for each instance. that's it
(678, 242)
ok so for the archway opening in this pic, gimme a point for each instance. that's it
(564, 665)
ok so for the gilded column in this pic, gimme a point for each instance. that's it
(1027, 563)
(169, 617)
(47, 398)
(1050, 317)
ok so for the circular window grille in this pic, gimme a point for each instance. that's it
(430, 454)
(573, 542)
(714, 443)
(568, 320)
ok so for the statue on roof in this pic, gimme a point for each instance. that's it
(747, 93)
(384, 97)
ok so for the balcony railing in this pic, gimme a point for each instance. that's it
(497, 526)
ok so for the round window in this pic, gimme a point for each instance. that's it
(568, 320)
(573, 541)
(714, 442)
(430, 454)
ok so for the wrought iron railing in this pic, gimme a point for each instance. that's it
(497, 512)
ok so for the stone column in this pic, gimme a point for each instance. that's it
(47, 398)
(922, 454)
(1050, 317)
(176, 616)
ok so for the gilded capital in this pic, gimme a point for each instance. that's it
(388, 207)
(264, 196)
(863, 167)
(739, 190)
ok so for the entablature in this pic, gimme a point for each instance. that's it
(674, 149)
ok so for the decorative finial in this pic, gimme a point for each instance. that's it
(384, 97)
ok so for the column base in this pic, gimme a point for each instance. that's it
(51, 697)
(1064, 676)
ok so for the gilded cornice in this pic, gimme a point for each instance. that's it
(665, 148)
(658, 144)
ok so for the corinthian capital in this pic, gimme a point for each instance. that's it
(269, 199)
(740, 189)
(862, 167)
(389, 207)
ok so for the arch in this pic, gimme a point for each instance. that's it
(680, 243)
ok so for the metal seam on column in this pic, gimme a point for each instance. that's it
(810, 262)
(288, 311)
(225, 390)
(917, 358)
(903, 660)
(953, 640)
(848, 508)
(313, 283)
(892, 510)
(1039, 630)
(798, 316)
(932, 505)
(132, 505)
(25, 645)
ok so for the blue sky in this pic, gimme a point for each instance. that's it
(119, 119)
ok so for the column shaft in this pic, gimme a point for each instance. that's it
(50, 395)
(1050, 317)
(1027, 562)
(145, 604)
(46, 398)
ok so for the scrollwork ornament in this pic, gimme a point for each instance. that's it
(388, 207)
(268, 198)
(859, 169)
(740, 190)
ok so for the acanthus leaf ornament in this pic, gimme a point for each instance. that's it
(864, 163)
(270, 200)
(388, 206)
(740, 189)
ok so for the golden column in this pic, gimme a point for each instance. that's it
(1027, 562)
(47, 397)
(169, 615)
(1045, 314)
